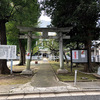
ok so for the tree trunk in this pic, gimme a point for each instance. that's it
(3, 63)
(22, 53)
(65, 58)
(88, 67)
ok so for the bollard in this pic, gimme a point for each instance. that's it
(75, 79)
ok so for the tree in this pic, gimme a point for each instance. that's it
(29, 17)
(14, 10)
(52, 45)
(86, 17)
(81, 14)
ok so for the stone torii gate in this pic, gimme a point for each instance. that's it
(45, 31)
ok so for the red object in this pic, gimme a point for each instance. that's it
(36, 62)
(75, 55)
(82, 52)
(28, 54)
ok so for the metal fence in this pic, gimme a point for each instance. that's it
(95, 58)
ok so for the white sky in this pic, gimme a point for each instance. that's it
(44, 17)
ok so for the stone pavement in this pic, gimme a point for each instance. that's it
(45, 83)
(45, 76)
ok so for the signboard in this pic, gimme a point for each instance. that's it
(79, 56)
(83, 54)
(74, 54)
(7, 52)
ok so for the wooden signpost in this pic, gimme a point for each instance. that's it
(8, 52)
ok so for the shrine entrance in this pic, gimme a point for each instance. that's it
(45, 31)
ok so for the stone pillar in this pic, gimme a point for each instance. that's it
(99, 53)
(94, 58)
(61, 52)
(94, 51)
(28, 71)
(62, 70)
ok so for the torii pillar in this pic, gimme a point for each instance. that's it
(61, 70)
(28, 71)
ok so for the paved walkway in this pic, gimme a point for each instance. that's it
(45, 76)
(44, 81)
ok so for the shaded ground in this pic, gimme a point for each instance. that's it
(14, 79)
(43, 77)
(42, 81)
(8, 82)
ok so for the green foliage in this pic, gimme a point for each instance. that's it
(35, 49)
(28, 14)
(12, 33)
(23, 13)
(86, 14)
(60, 11)
(81, 14)
(51, 44)
(5, 8)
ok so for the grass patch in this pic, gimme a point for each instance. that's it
(15, 78)
(18, 68)
(69, 77)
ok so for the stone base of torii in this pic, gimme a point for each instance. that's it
(45, 31)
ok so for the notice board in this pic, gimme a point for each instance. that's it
(7, 51)
(79, 56)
